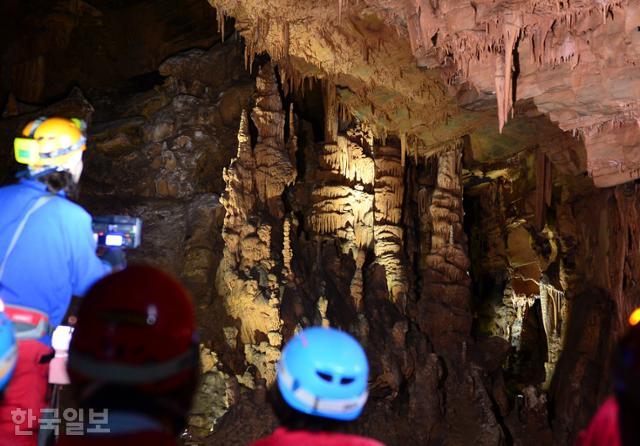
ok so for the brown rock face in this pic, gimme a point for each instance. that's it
(48, 47)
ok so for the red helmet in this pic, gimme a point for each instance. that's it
(135, 328)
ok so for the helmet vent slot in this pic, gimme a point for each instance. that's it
(325, 376)
(347, 380)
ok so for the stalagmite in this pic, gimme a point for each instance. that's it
(275, 168)
(249, 276)
(444, 257)
(287, 253)
(388, 233)
(356, 287)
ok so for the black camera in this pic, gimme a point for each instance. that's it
(118, 231)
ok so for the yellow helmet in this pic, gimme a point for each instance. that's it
(50, 142)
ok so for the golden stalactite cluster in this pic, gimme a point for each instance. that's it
(360, 203)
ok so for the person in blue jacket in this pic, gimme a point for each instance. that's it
(47, 255)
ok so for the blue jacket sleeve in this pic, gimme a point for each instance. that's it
(86, 267)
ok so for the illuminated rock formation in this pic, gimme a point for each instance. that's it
(445, 282)
(250, 274)
(388, 232)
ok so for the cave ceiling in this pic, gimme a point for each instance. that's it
(511, 74)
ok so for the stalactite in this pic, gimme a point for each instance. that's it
(221, 20)
(349, 159)
(543, 188)
(500, 92)
(511, 35)
(403, 149)
(292, 144)
(285, 39)
(553, 308)
(330, 111)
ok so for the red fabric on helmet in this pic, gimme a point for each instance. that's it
(603, 430)
(140, 439)
(138, 318)
(283, 437)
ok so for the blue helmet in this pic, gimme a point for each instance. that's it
(8, 350)
(324, 372)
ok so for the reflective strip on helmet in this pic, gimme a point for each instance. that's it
(60, 152)
(35, 124)
(321, 405)
(27, 151)
(131, 374)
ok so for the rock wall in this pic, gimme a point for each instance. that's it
(158, 154)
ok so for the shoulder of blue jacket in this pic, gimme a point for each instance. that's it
(68, 209)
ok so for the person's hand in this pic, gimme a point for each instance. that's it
(115, 257)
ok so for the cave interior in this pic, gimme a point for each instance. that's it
(453, 182)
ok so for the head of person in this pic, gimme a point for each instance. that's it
(626, 364)
(135, 347)
(52, 149)
(321, 381)
(8, 349)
